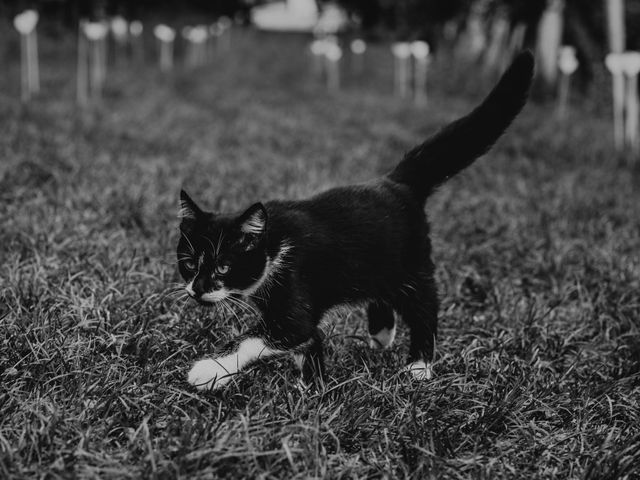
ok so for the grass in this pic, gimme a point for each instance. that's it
(538, 268)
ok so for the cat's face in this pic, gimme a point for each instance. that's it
(221, 255)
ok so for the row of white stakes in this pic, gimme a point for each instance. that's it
(92, 64)
(624, 68)
(92, 53)
(92, 50)
(403, 53)
(326, 59)
(197, 39)
(567, 65)
(327, 55)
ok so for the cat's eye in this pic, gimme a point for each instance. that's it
(222, 269)
(189, 265)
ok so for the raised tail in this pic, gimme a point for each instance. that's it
(457, 145)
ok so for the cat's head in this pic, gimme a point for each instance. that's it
(221, 255)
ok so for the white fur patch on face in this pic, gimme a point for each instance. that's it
(419, 370)
(383, 339)
(215, 295)
(271, 268)
(189, 289)
(211, 297)
(215, 373)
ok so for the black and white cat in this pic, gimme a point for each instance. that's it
(360, 243)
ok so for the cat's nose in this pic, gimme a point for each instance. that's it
(199, 287)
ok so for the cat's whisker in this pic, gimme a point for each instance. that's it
(193, 250)
(232, 304)
(244, 305)
(170, 292)
(213, 249)
(182, 298)
(244, 325)
(225, 309)
(217, 249)
(176, 296)
(221, 311)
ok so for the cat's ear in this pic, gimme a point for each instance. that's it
(253, 225)
(188, 208)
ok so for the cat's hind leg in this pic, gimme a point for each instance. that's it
(310, 360)
(382, 325)
(419, 308)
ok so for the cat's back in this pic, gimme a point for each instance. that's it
(366, 235)
(371, 214)
(353, 205)
(371, 199)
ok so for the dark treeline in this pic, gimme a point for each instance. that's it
(402, 19)
(69, 11)
(585, 20)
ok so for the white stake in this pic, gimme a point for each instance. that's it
(137, 44)
(516, 40)
(333, 55)
(420, 52)
(25, 24)
(120, 32)
(358, 49)
(401, 53)
(567, 64)
(497, 50)
(318, 50)
(166, 36)
(196, 38)
(614, 63)
(549, 38)
(96, 33)
(631, 67)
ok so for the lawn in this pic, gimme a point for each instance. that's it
(538, 370)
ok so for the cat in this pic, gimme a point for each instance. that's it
(366, 243)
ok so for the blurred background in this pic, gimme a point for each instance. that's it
(108, 108)
(483, 32)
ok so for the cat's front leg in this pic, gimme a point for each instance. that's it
(215, 373)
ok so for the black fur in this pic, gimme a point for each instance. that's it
(360, 243)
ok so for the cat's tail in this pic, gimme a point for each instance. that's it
(457, 145)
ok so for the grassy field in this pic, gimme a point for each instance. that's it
(538, 371)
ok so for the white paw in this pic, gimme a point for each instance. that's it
(209, 374)
(383, 339)
(419, 370)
